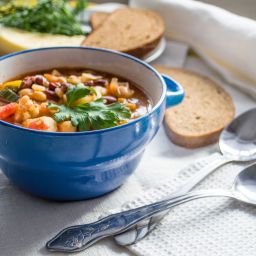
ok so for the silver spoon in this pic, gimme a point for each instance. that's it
(77, 238)
(237, 143)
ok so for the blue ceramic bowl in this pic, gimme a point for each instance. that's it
(74, 166)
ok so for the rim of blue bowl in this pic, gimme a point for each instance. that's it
(127, 56)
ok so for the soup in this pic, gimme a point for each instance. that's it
(71, 100)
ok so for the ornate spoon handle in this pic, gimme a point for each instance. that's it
(77, 238)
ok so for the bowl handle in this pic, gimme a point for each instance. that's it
(175, 92)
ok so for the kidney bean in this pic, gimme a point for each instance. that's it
(51, 95)
(53, 85)
(100, 82)
(39, 80)
(89, 83)
(65, 86)
(26, 83)
(109, 99)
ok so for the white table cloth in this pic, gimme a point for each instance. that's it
(27, 222)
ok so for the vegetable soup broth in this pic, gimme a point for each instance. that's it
(71, 100)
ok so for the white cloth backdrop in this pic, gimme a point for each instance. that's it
(225, 40)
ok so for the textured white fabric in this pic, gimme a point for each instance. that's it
(213, 226)
(27, 222)
(225, 40)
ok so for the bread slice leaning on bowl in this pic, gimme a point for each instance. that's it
(128, 30)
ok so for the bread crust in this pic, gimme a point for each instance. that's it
(190, 137)
(141, 52)
(191, 141)
(138, 51)
(97, 18)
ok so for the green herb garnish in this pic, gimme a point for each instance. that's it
(48, 16)
(77, 92)
(89, 116)
(8, 95)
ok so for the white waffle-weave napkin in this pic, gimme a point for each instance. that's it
(210, 226)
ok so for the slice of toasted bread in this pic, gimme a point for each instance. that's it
(97, 18)
(205, 111)
(129, 30)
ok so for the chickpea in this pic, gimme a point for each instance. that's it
(26, 109)
(66, 126)
(25, 102)
(26, 115)
(34, 110)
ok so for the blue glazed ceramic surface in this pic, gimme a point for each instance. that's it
(75, 166)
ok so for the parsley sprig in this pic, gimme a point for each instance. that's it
(95, 115)
(47, 16)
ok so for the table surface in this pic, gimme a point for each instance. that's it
(26, 222)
